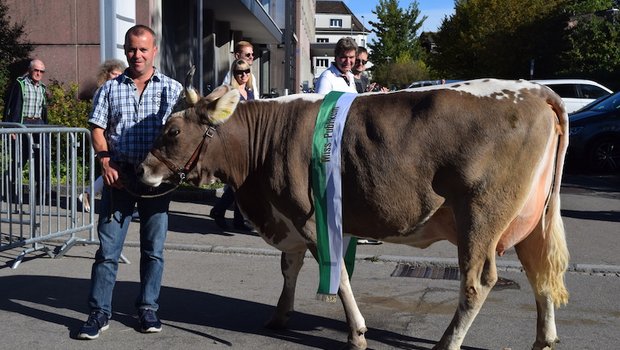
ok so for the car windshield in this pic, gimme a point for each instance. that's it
(610, 103)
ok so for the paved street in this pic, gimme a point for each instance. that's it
(220, 288)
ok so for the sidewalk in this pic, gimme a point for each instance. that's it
(191, 228)
(592, 248)
(220, 288)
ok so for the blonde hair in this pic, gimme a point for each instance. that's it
(108, 66)
(241, 44)
(240, 65)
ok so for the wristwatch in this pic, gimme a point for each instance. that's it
(103, 154)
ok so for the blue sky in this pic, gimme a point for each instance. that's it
(436, 10)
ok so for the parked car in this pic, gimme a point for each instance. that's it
(594, 139)
(576, 93)
(421, 83)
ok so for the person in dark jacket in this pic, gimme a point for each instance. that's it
(27, 104)
(27, 101)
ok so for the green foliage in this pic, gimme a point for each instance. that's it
(497, 38)
(502, 38)
(397, 55)
(593, 43)
(401, 73)
(578, 7)
(11, 50)
(64, 108)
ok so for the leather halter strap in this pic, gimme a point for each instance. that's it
(181, 173)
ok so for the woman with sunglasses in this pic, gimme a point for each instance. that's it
(244, 51)
(242, 75)
(242, 80)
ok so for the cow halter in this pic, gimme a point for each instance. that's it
(181, 173)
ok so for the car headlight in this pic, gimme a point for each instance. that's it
(575, 130)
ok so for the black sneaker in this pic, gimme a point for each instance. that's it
(149, 323)
(97, 322)
(219, 219)
(241, 226)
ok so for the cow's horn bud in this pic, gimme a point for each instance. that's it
(191, 95)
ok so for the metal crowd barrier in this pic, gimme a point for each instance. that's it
(43, 171)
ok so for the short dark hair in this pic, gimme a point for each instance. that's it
(362, 49)
(138, 30)
(343, 45)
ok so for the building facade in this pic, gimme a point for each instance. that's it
(74, 37)
(333, 21)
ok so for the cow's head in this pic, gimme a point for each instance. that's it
(186, 135)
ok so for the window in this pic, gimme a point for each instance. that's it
(322, 40)
(322, 62)
(335, 22)
(591, 91)
(564, 90)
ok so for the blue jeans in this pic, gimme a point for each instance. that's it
(114, 218)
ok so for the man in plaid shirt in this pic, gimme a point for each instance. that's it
(27, 104)
(128, 113)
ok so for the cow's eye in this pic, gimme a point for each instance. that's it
(173, 132)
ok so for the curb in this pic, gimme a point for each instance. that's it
(510, 265)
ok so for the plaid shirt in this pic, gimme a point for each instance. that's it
(33, 98)
(133, 122)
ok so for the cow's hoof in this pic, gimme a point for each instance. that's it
(358, 341)
(350, 346)
(546, 345)
(276, 324)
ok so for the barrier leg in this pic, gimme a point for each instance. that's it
(35, 248)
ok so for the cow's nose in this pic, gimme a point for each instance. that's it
(140, 171)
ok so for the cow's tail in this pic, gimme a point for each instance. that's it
(557, 256)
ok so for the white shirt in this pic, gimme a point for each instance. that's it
(228, 77)
(331, 80)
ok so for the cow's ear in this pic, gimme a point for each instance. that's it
(218, 92)
(218, 111)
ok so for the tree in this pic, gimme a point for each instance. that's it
(397, 42)
(505, 39)
(11, 50)
(401, 73)
(593, 42)
(497, 38)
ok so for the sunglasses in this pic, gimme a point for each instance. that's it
(240, 72)
(249, 54)
(39, 70)
(362, 62)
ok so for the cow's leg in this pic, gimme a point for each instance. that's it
(357, 325)
(355, 320)
(290, 263)
(479, 275)
(476, 249)
(535, 256)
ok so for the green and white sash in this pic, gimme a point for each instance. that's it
(327, 189)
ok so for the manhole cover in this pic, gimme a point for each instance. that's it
(444, 273)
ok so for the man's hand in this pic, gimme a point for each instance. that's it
(110, 173)
(377, 88)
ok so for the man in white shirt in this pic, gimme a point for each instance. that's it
(338, 76)
(244, 51)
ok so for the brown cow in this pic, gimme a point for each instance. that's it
(478, 163)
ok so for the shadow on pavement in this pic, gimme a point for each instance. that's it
(599, 183)
(35, 295)
(607, 215)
